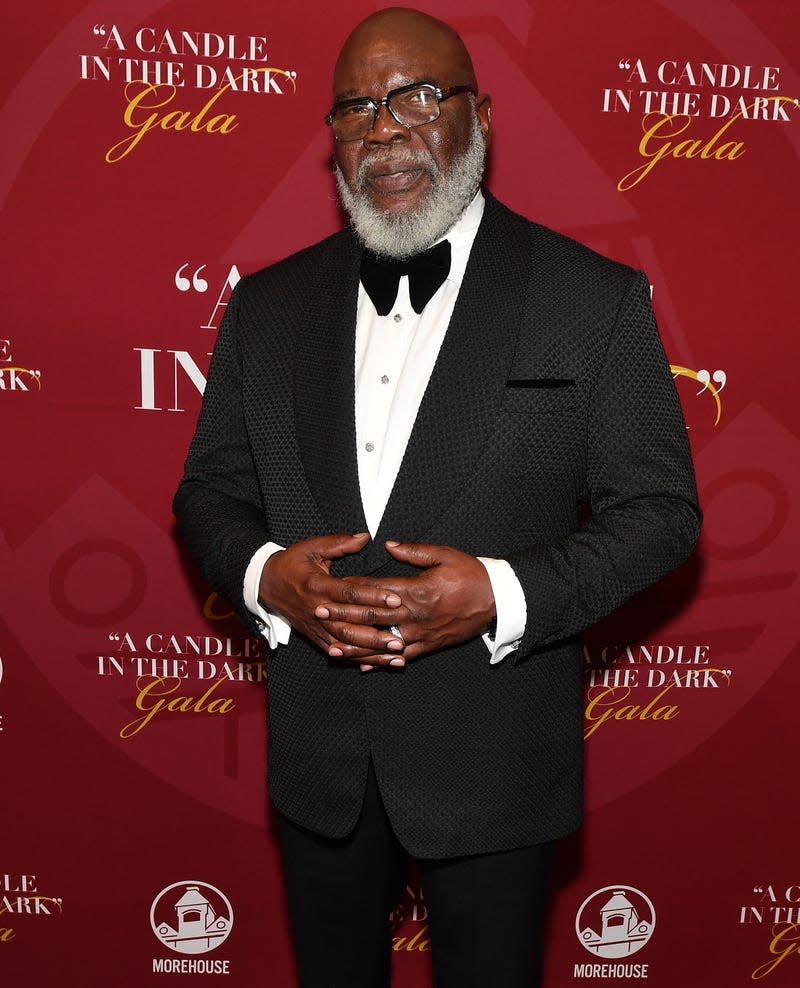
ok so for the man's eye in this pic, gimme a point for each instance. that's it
(420, 99)
(354, 110)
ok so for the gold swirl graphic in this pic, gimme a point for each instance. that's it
(708, 380)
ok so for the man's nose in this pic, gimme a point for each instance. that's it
(386, 128)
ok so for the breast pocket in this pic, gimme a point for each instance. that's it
(541, 434)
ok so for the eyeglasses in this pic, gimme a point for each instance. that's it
(411, 106)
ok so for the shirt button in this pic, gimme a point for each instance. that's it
(397, 317)
(369, 447)
(385, 379)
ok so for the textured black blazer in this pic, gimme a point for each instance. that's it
(551, 390)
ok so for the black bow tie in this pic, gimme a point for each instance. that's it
(426, 273)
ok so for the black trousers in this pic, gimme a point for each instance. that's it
(485, 912)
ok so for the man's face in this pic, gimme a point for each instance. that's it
(394, 176)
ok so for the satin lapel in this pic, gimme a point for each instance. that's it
(463, 397)
(324, 387)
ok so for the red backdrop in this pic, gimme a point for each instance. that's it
(154, 151)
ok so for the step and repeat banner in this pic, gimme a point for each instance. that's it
(153, 153)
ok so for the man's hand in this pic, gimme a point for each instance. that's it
(297, 581)
(448, 603)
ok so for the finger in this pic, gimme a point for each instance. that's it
(349, 653)
(350, 639)
(394, 663)
(351, 614)
(394, 587)
(321, 589)
(376, 652)
(368, 593)
(416, 649)
(374, 659)
(421, 554)
(336, 546)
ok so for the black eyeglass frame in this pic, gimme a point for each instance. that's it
(376, 104)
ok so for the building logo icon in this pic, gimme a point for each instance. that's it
(615, 921)
(191, 917)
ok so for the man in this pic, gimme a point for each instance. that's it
(425, 678)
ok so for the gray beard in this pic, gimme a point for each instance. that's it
(401, 235)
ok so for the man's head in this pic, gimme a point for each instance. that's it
(405, 186)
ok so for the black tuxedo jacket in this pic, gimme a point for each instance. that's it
(551, 391)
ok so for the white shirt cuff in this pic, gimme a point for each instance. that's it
(512, 612)
(273, 627)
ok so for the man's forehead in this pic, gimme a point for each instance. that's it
(376, 74)
(394, 53)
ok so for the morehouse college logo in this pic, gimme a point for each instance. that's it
(191, 917)
(615, 921)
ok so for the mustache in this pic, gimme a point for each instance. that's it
(405, 160)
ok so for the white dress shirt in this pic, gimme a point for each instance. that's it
(394, 358)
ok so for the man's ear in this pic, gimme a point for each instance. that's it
(483, 107)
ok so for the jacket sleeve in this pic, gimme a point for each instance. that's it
(644, 513)
(218, 505)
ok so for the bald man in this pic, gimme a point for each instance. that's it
(400, 429)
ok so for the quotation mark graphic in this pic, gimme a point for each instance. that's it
(704, 378)
(184, 284)
(99, 29)
(624, 63)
